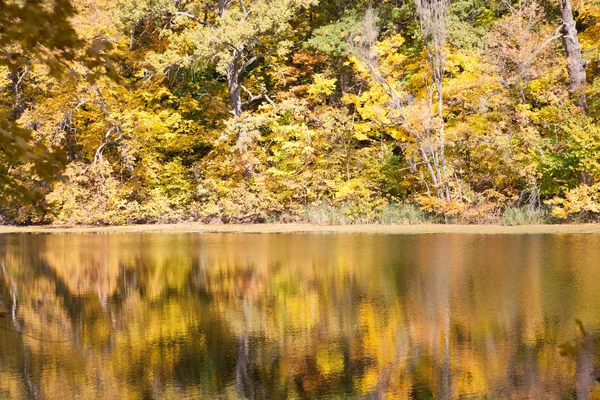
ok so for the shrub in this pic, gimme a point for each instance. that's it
(581, 203)
(482, 213)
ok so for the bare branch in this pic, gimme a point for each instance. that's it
(244, 9)
(247, 91)
(20, 78)
(114, 126)
(223, 4)
(257, 97)
(232, 46)
(217, 103)
(252, 98)
(98, 154)
(270, 101)
(192, 17)
(249, 62)
(556, 35)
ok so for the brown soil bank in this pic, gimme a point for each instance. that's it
(309, 228)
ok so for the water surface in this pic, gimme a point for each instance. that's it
(297, 315)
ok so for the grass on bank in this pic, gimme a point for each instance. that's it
(514, 216)
(390, 214)
(395, 218)
(324, 214)
(410, 214)
(309, 228)
(403, 214)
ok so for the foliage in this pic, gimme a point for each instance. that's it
(332, 39)
(38, 42)
(254, 111)
(580, 203)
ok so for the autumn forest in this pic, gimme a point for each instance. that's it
(323, 111)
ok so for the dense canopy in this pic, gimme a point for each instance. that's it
(330, 111)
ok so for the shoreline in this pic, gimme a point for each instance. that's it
(311, 228)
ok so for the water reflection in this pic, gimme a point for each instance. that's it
(280, 316)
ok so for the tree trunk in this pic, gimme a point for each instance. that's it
(575, 63)
(234, 88)
(444, 180)
(433, 14)
(19, 100)
(235, 99)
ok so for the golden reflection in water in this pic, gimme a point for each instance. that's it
(285, 316)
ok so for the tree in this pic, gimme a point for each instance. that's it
(433, 17)
(407, 111)
(520, 44)
(232, 37)
(37, 39)
(575, 63)
(37, 31)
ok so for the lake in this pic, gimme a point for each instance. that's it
(150, 315)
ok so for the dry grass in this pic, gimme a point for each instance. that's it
(513, 216)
